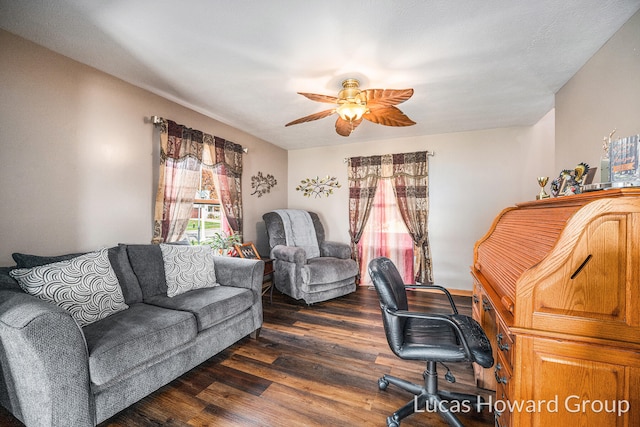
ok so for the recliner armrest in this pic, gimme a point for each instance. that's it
(335, 249)
(289, 253)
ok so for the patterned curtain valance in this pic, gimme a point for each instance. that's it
(389, 165)
(181, 142)
(223, 151)
(186, 142)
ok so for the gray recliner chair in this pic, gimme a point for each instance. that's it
(306, 266)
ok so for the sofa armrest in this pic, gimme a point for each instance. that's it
(292, 254)
(44, 363)
(240, 272)
(335, 249)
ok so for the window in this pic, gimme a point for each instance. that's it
(385, 234)
(206, 216)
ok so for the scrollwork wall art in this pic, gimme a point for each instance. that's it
(318, 186)
(262, 184)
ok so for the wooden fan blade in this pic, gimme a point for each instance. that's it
(388, 116)
(387, 97)
(320, 98)
(344, 127)
(312, 117)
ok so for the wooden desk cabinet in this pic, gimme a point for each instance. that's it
(557, 289)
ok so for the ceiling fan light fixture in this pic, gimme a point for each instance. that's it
(351, 111)
(352, 104)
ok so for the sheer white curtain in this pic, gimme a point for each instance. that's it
(385, 234)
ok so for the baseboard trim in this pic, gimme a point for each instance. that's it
(454, 292)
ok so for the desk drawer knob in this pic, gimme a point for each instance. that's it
(501, 346)
(499, 379)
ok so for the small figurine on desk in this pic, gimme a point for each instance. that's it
(570, 181)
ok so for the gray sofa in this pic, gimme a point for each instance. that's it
(55, 373)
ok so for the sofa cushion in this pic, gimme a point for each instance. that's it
(8, 282)
(134, 338)
(210, 305)
(126, 277)
(187, 268)
(30, 261)
(119, 261)
(148, 266)
(86, 286)
(328, 269)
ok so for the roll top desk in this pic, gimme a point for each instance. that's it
(557, 289)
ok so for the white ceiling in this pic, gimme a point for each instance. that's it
(473, 64)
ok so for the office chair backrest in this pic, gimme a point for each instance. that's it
(391, 292)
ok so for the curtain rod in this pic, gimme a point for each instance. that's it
(429, 154)
(156, 120)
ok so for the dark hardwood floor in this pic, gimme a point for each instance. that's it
(311, 366)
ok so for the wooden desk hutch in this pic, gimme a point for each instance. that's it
(557, 289)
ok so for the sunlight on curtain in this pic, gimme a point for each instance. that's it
(183, 151)
(385, 234)
(179, 177)
(225, 159)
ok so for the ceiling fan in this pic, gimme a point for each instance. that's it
(354, 104)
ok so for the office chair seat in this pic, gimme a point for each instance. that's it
(430, 337)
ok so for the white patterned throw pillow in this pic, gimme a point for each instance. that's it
(86, 286)
(187, 268)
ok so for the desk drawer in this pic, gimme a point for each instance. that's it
(475, 301)
(503, 419)
(503, 376)
(502, 373)
(506, 345)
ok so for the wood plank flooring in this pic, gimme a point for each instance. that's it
(311, 366)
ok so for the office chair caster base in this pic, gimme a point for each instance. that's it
(383, 383)
(391, 422)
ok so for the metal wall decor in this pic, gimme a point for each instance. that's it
(262, 184)
(318, 186)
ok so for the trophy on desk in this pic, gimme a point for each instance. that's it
(542, 181)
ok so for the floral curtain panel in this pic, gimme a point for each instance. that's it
(183, 152)
(409, 176)
(363, 175)
(410, 181)
(179, 176)
(225, 158)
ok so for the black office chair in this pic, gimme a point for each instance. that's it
(429, 337)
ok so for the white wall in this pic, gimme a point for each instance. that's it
(603, 95)
(76, 155)
(473, 176)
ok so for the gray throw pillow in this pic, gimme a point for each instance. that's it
(187, 268)
(30, 261)
(86, 286)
